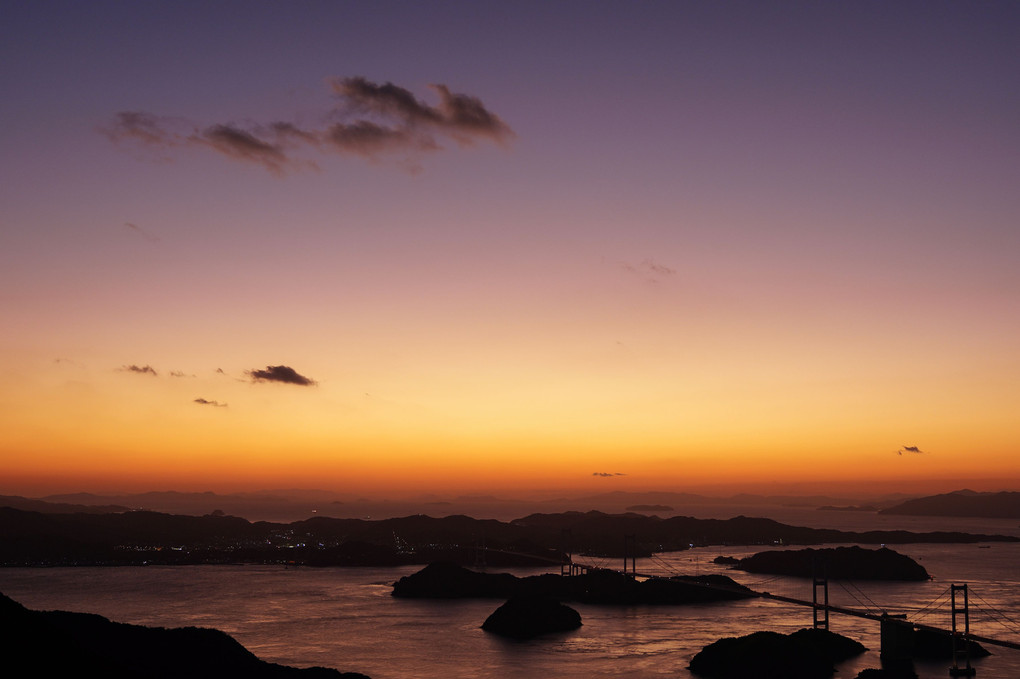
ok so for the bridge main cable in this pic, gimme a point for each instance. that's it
(871, 616)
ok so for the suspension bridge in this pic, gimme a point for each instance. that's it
(896, 629)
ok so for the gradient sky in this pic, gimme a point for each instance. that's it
(654, 245)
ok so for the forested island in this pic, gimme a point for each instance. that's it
(853, 562)
(445, 580)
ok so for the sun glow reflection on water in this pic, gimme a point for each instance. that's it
(346, 618)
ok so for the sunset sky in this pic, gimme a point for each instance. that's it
(508, 246)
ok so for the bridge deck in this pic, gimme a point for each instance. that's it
(855, 613)
(873, 616)
(835, 609)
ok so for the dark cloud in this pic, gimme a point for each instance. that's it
(370, 120)
(467, 116)
(387, 100)
(607, 474)
(243, 145)
(215, 404)
(910, 449)
(179, 373)
(459, 115)
(368, 139)
(142, 370)
(280, 373)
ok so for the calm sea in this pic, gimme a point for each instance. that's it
(346, 618)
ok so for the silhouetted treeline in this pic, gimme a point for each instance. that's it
(852, 563)
(29, 538)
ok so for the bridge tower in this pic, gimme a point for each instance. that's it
(961, 641)
(480, 554)
(630, 553)
(567, 564)
(820, 613)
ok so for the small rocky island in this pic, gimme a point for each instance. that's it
(850, 563)
(526, 617)
(804, 654)
(444, 580)
(63, 644)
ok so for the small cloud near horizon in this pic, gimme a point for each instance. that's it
(607, 474)
(152, 238)
(141, 370)
(281, 373)
(206, 402)
(369, 120)
(910, 449)
(648, 270)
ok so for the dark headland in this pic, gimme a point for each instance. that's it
(63, 644)
(804, 654)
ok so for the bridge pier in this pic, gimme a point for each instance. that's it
(897, 639)
(898, 635)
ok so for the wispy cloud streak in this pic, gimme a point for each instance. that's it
(152, 238)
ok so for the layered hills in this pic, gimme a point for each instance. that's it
(1005, 505)
(30, 538)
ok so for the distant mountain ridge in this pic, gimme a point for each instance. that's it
(962, 503)
(284, 505)
(52, 507)
(142, 537)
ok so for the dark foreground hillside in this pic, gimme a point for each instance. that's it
(62, 644)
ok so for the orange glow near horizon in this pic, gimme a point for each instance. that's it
(676, 271)
(738, 426)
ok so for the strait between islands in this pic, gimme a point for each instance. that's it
(56, 643)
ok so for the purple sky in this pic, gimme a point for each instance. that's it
(638, 236)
